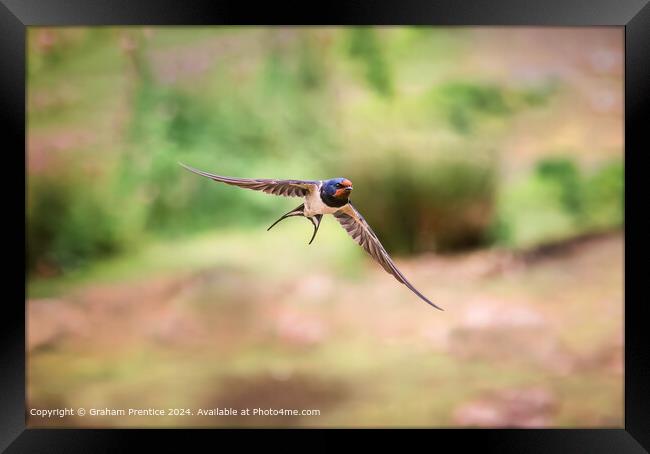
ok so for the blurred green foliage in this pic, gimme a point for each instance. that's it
(285, 104)
(466, 104)
(558, 200)
(432, 203)
(367, 49)
(71, 221)
(564, 174)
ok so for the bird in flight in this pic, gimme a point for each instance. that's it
(323, 197)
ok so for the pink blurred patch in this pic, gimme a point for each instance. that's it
(52, 320)
(299, 329)
(527, 407)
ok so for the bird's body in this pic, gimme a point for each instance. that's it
(323, 197)
(314, 204)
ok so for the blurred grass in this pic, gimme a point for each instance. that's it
(273, 255)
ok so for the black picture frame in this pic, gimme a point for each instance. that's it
(633, 15)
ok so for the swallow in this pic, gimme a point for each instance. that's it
(323, 197)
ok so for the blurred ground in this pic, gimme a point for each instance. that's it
(532, 339)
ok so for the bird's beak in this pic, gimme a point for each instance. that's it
(349, 189)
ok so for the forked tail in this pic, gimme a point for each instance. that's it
(300, 211)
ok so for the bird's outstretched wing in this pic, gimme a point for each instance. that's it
(287, 188)
(360, 231)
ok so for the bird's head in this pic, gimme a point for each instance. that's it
(338, 188)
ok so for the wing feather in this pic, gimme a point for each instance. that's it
(286, 188)
(357, 227)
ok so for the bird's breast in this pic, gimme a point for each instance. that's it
(314, 205)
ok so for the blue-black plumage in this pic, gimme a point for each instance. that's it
(336, 192)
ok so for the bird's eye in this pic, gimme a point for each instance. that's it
(338, 185)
